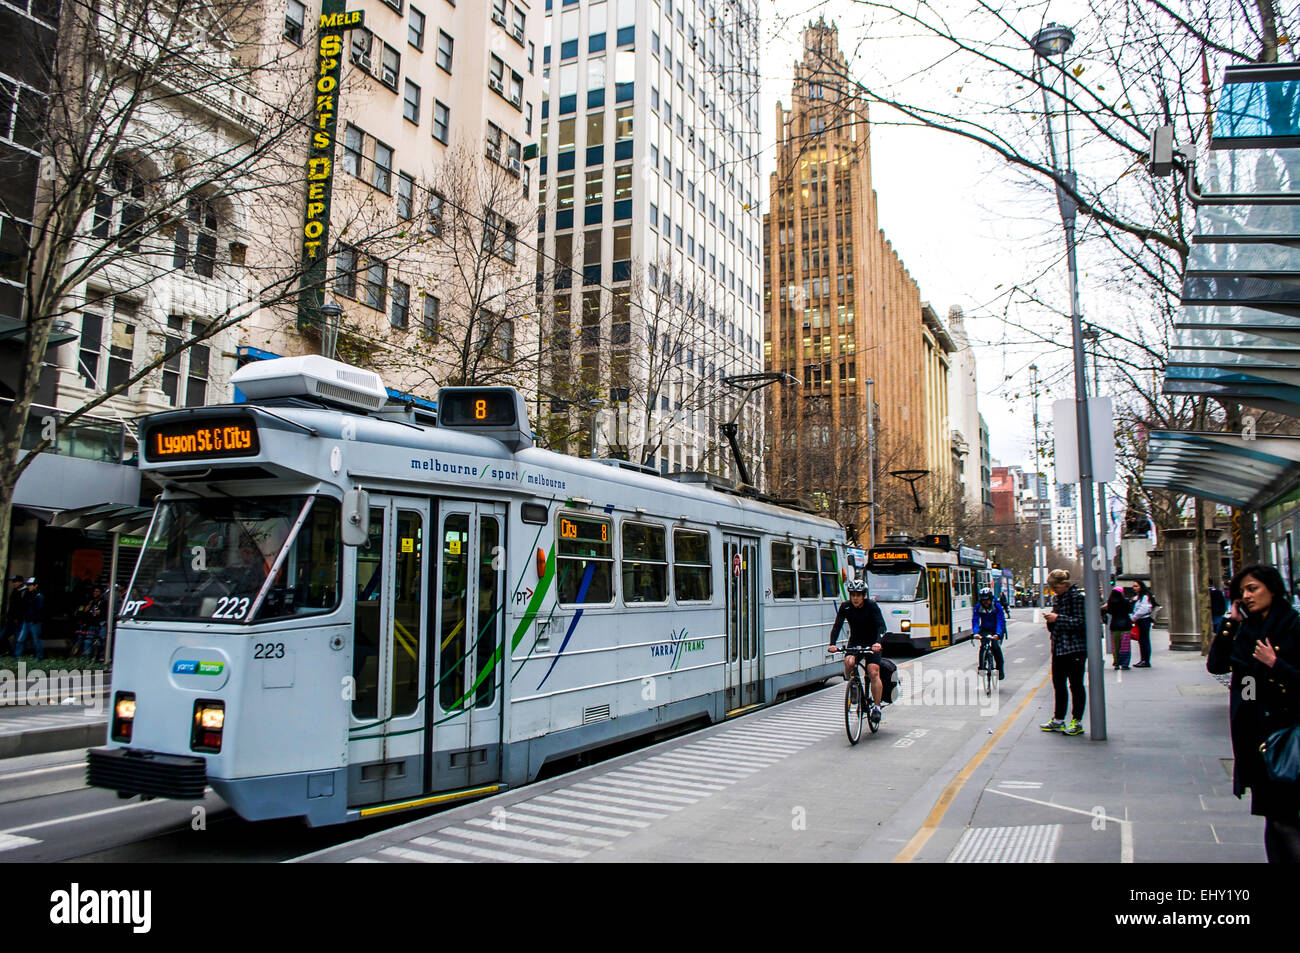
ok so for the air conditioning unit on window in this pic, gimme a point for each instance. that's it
(515, 166)
(494, 83)
(518, 34)
(516, 100)
(493, 152)
(498, 18)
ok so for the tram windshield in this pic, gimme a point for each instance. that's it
(210, 559)
(896, 586)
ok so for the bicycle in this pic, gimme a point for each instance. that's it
(857, 700)
(988, 667)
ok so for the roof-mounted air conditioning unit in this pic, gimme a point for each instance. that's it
(314, 377)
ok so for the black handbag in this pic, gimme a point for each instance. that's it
(1281, 754)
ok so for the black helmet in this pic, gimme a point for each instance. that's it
(857, 585)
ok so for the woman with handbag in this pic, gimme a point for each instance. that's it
(1144, 606)
(1260, 646)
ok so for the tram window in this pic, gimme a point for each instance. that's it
(455, 611)
(489, 607)
(408, 589)
(645, 563)
(807, 568)
(782, 571)
(366, 620)
(208, 559)
(533, 513)
(585, 566)
(692, 566)
(830, 575)
(309, 581)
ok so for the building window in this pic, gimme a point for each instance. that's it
(196, 385)
(353, 140)
(392, 67)
(435, 214)
(401, 304)
(121, 347)
(516, 90)
(411, 103)
(518, 21)
(496, 75)
(431, 308)
(441, 119)
(383, 168)
(345, 271)
(361, 44)
(92, 332)
(415, 29)
(405, 195)
(376, 285)
(295, 15)
(395, 4)
(445, 47)
(201, 221)
(129, 188)
(499, 236)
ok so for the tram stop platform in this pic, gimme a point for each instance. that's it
(947, 779)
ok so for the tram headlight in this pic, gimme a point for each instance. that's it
(905, 625)
(209, 720)
(123, 715)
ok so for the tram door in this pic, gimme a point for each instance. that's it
(744, 645)
(386, 737)
(940, 608)
(470, 646)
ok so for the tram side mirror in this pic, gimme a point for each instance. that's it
(356, 518)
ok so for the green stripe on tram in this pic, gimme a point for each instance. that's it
(457, 709)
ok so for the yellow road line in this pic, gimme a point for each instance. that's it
(436, 799)
(908, 853)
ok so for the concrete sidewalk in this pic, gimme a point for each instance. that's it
(1158, 788)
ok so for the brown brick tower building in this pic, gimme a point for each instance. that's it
(840, 310)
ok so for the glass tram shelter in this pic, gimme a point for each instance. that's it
(1237, 332)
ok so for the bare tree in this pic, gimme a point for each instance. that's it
(473, 291)
(173, 144)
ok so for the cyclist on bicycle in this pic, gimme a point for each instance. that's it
(866, 626)
(990, 619)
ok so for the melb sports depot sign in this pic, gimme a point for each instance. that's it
(334, 20)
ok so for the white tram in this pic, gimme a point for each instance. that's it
(342, 609)
(925, 590)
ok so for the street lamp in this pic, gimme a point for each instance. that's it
(330, 313)
(1050, 42)
(1040, 554)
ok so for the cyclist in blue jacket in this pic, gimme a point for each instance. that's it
(990, 619)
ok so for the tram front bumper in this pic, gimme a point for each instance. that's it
(131, 771)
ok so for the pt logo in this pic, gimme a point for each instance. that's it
(135, 605)
(677, 644)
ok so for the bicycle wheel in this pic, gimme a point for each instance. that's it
(853, 710)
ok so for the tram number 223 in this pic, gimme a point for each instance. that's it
(231, 607)
(268, 650)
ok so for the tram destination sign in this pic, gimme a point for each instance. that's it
(201, 438)
(889, 556)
